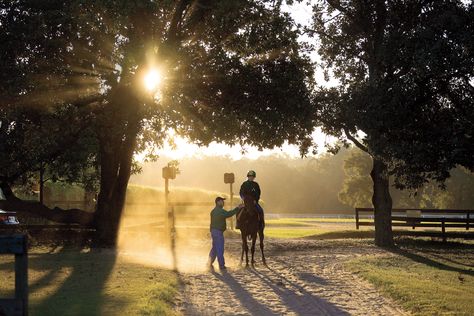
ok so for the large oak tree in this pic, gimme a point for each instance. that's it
(233, 72)
(405, 93)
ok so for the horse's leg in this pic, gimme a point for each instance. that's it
(243, 248)
(246, 253)
(261, 235)
(254, 240)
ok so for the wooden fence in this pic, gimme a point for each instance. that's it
(428, 218)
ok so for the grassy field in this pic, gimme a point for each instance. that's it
(306, 222)
(73, 282)
(275, 232)
(317, 233)
(424, 277)
(331, 228)
(313, 228)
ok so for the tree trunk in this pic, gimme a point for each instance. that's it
(111, 200)
(382, 202)
(117, 133)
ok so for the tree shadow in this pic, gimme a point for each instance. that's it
(243, 296)
(430, 244)
(444, 258)
(425, 259)
(298, 293)
(310, 277)
(82, 290)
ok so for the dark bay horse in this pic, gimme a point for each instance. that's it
(249, 228)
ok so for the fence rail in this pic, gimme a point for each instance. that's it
(435, 218)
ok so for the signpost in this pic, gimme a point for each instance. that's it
(169, 172)
(229, 178)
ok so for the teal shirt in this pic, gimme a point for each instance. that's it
(218, 216)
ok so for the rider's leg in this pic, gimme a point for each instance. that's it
(262, 215)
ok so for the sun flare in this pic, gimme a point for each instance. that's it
(152, 79)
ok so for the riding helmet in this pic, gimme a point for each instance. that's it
(251, 173)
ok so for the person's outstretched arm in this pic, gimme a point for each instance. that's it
(230, 213)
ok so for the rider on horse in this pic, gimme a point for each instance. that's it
(251, 187)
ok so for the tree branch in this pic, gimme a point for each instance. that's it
(173, 31)
(337, 5)
(71, 216)
(355, 141)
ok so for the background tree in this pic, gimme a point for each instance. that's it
(233, 73)
(357, 186)
(356, 190)
(405, 75)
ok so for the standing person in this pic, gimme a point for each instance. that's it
(252, 188)
(218, 226)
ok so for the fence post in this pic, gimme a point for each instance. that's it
(443, 229)
(17, 245)
(467, 220)
(357, 218)
(231, 206)
(21, 276)
(229, 178)
(173, 238)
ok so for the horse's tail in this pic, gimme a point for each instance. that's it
(249, 238)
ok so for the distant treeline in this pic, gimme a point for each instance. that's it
(327, 184)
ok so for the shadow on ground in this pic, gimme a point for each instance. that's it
(447, 256)
(67, 281)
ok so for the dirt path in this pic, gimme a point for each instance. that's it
(302, 278)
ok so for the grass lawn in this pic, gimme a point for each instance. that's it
(304, 227)
(291, 233)
(434, 279)
(75, 282)
(303, 222)
(315, 233)
(314, 228)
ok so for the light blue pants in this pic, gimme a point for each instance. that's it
(217, 249)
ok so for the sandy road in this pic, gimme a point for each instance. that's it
(302, 278)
